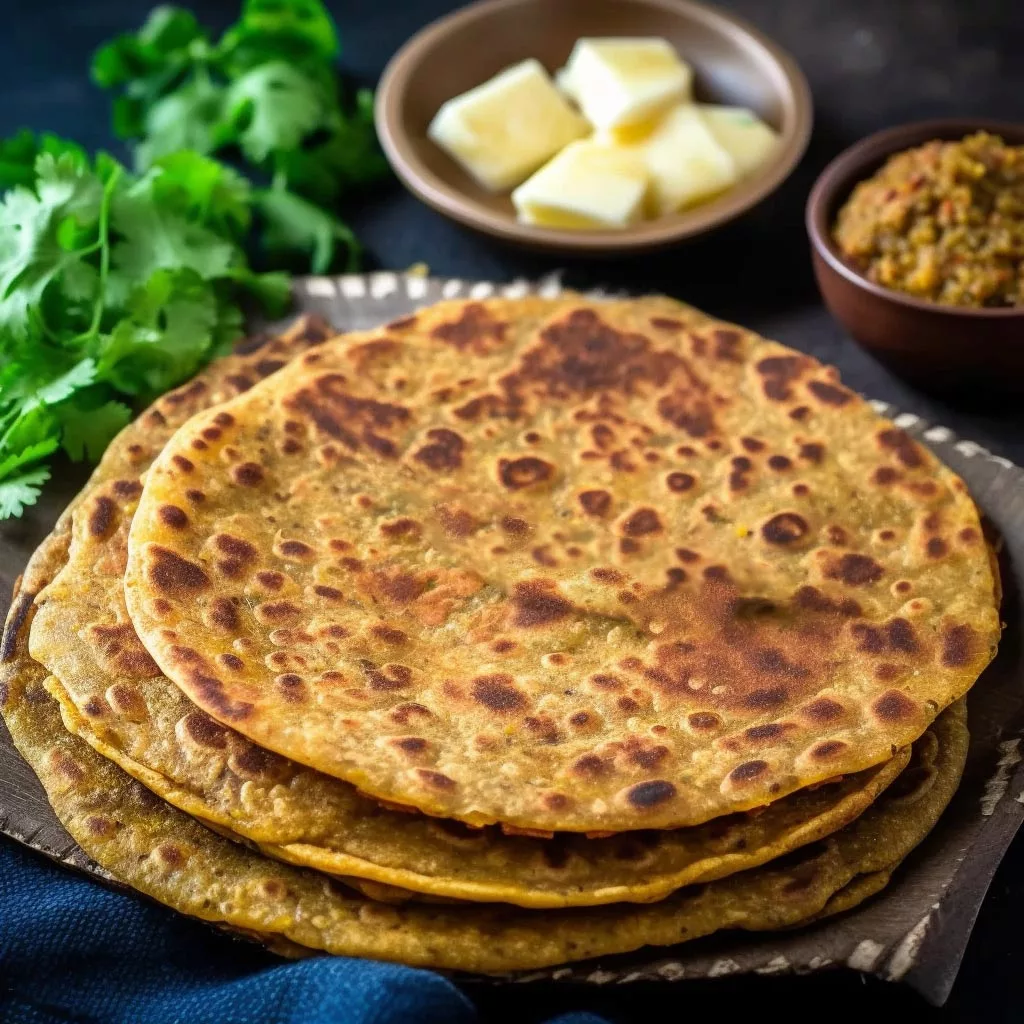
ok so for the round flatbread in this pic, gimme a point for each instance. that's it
(113, 696)
(165, 854)
(562, 565)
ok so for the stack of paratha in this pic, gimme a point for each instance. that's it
(477, 640)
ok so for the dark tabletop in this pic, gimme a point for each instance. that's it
(871, 63)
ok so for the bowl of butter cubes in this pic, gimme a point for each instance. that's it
(592, 126)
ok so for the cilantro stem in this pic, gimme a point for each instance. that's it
(90, 249)
(103, 243)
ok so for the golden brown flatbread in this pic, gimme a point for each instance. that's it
(562, 565)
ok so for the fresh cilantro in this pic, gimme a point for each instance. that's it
(299, 31)
(347, 157)
(290, 224)
(87, 432)
(18, 492)
(113, 286)
(18, 155)
(273, 107)
(81, 375)
(29, 454)
(155, 237)
(190, 118)
(267, 90)
(199, 187)
(117, 284)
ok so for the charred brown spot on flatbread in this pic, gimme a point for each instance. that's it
(855, 570)
(596, 502)
(173, 575)
(645, 795)
(785, 528)
(829, 394)
(119, 651)
(443, 450)
(538, 603)
(498, 694)
(525, 471)
(475, 330)
(958, 645)
(102, 516)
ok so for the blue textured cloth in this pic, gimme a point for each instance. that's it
(72, 950)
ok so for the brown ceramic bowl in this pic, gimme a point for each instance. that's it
(946, 348)
(733, 63)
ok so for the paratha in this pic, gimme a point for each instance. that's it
(562, 565)
(113, 696)
(168, 856)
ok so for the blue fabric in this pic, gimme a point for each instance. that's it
(72, 950)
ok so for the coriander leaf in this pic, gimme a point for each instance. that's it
(65, 181)
(18, 159)
(148, 65)
(230, 326)
(350, 155)
(30, 427)
(154, 236)
(79, 282)
(268, 87)
(30, 453)
(128, 118)
(163, 41)
(167, 333)
(31, 253)
(189, 318)
(300, 31)
(86, 432)
(272, 290)
(30, 365)
(56, 146)
(189, 118)
(291, 224)
(130, 358)
(18, 493)
(110, 283)
(212, 192)
(79, 376)
(19, 153)
(273, 107)
(169, 29)
(26, 428)
(304, 19)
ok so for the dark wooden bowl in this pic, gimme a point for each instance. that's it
(944, 348)
(733, 63)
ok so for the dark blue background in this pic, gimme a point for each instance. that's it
(871, 63)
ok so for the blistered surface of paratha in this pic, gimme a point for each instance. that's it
(562, 565)
(168, 856)
(113, 695)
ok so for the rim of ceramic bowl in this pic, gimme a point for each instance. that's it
(858, 162)
(788, 78)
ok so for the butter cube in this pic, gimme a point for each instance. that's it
(746, 138)
(503, 130)
(587, 185)
(685, 162)
(623, 81)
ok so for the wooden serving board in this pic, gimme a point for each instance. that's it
(915, 931)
